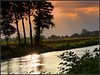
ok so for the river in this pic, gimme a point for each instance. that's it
(36, 63)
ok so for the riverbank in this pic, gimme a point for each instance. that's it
(15, 50)
(50, 61)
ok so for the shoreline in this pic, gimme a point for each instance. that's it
(11, 52)
(45, 52)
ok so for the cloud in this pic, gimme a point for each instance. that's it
(71, 17)
(77, 6)
(58, 11)
(88, 10)
(74, 16)
(70, 14)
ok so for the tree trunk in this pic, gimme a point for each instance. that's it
(7, 41)
(30, 28)
(23, 29)
(17, 28)
(37, 37)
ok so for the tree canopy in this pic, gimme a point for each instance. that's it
(43, 18)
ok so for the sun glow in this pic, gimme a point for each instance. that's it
(55, 11)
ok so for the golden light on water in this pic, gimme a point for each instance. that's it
(28, 57)
(36, 58)
(34, 62)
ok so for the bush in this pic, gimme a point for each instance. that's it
(63, 46)
(87, 64)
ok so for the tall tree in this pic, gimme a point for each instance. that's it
(7, 30)
(22, 15)
(6, 18)
(43, 18)
(16, 11)
(30, 9)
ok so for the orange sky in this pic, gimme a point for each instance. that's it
(70, 17)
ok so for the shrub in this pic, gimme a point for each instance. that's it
(72, 64)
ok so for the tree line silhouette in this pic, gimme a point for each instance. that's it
(13, 11)
(85, 33)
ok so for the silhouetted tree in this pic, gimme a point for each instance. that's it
(30, 9)
(22, 11)
(15, 10)
(6, 18)
(42, 19)
(94, 34)
(54, 37)
(7, 30)
(85, 33)
(66, 36)
(75, 35)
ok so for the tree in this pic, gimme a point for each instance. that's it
(94, 34)
(22, 15)
(42, 19)
(54, 37)
(6, 19)
(85, 33)
(30, 9)
(75, 35)
(15, 11)
(73, 64)
(7, 30)
(66, 36)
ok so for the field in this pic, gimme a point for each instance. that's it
(14, 50)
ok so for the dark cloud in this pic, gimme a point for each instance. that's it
(66, 24)
(76, 4)
(68, 6)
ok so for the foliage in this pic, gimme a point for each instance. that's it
(85, 33)
(7, 30)
(54, 37)
(73, 64)
(46, 46)
(43, 18)
(75, 35)
(84, 43)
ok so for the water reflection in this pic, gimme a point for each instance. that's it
(35, 63)
(23, 65)
(8, 67)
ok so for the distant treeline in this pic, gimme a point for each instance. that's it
(85, 33)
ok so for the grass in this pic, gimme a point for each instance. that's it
(15, 50)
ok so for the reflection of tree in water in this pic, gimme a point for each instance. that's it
(33, 65)
(20, 65)
(8, 66)
(36, 64)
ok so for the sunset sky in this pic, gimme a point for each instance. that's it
(70, 17)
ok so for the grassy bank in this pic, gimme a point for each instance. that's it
(15, 50)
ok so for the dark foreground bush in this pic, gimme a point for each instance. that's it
(73, 64)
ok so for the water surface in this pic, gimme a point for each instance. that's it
(36, 63)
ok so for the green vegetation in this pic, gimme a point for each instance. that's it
(87, 64)
(14, 49)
